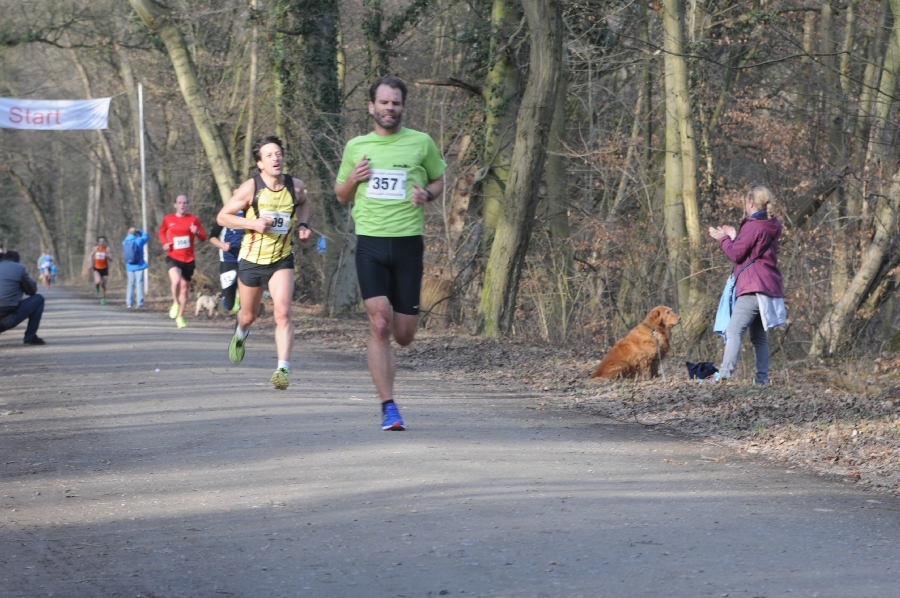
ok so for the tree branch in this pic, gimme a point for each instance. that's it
(451, 82)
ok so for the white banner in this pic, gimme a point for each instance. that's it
(54, 115)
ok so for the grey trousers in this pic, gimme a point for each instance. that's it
(745, 315)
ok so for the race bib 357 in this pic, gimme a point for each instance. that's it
(386, 184)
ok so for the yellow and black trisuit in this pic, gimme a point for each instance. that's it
(268, 248)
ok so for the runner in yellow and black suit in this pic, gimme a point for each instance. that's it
(272, 203)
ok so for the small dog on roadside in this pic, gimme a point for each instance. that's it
(638, 354)
(209, 303)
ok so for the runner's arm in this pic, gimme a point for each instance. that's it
(162, 234)
(201, 234)
(28, 285)
(240, 200)
(214, 239)
(420, 196)
(302, 212)
(346, 190)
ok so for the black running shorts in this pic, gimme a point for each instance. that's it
(187, 268)
(391, 267)
(102, 271)
(255, 275)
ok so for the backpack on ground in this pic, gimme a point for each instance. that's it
(131, 253)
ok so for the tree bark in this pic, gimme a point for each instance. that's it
(156, 18)
(251, 98)
(560, 262)
(318, 29)
(847, 47)
(676, 230)
(863, 124)
(91, 215)
(673, 18)
(809, 28)
(501, 102)
(501, 279)
(46, 237)
(840, 266)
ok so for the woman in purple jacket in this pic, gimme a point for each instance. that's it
(758, 286)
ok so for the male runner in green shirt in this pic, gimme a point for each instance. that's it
(389, 175)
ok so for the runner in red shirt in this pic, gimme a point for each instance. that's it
(177, 233)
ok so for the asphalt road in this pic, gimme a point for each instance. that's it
(200, 480)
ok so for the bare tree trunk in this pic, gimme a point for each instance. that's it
(251, 99)
(46, 238)
(323, 99)
(863, 124)
(646, 87)
(62, 230)
(91, 214)
(501, 279)
(832, 329)
(501, 99)
(676, 231)
(134, 206)
(809, 29)
(629, 155)
(560, 261)
(460, 195)
(840, 266)
(156, 209)
(847, 47)
(694, 311)
(157, 19)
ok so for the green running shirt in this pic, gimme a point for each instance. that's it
(382, 206)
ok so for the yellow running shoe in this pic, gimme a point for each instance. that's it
(180, 323)
(280, 379)
(173, 311)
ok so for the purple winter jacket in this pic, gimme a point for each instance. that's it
(762, 276)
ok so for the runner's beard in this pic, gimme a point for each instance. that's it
(393, 127)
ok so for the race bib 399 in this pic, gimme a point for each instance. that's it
(281, 221)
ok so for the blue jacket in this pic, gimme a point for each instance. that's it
(140, 239)
(726, 304)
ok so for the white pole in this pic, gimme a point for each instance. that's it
(143, 188)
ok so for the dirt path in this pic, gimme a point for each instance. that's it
(199, 480)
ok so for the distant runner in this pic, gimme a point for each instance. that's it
(228, 241)
(45, 267)
(100, 257)
(389, 175)
(177, 233)
(272, 202)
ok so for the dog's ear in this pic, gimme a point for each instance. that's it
(664, 313)
(656, 316)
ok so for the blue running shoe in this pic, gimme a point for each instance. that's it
(392, 420)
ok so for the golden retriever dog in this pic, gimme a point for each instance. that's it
(638, 354)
